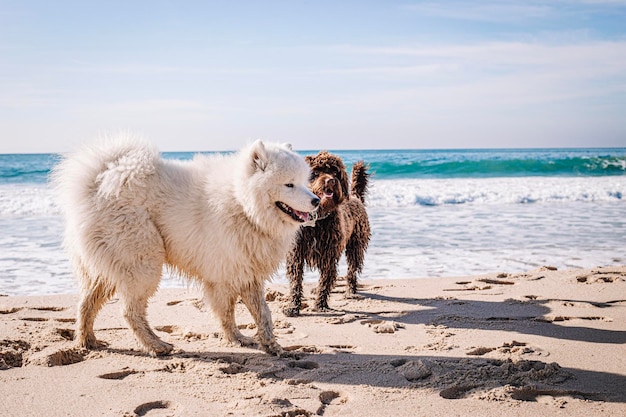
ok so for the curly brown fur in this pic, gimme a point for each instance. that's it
(342, 225)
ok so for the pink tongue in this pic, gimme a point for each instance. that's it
(328, 195)
(302, 215)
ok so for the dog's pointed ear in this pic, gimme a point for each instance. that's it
(258, 156)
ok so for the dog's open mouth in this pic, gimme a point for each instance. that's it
(299, 216)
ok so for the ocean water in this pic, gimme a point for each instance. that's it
(433, 213)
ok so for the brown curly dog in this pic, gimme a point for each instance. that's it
(342, 225)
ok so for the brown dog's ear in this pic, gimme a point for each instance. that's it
(343, 180)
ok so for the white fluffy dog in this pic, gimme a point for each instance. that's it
(225, 221)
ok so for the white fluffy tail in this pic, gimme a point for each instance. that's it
(103, 169)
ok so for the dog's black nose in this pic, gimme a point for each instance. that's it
(315, 202)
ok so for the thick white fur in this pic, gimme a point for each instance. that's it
(213, 219)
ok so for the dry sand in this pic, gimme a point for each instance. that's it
(541, 343)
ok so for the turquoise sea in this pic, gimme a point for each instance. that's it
(433, 213)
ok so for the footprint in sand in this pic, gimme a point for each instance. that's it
(67, 334)
(301, 349)
(328, 398)
(174, 367)
(49, 308)
(234, 368)
(496, 281)
(554, 319)
(292, 411)
(456, 392)
(234, 364)
(57, 357)
(146, 408)
(119, 374)
(11, 310)
(531, 394)
(179, 333)
(477, 285)
(342, 348)
(125, 372)
(12, 353)
(303, 365)
(66, 320)
(602, 277)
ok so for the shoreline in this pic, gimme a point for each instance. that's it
(542, 342)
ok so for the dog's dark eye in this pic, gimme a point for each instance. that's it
(290, 185)
(314, 175)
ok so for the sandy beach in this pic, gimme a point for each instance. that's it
(544, 342)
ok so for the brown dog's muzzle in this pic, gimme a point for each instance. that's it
(328, 189)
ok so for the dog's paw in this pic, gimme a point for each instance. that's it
(274, 348)
(291, 311)
(160, 348)
(322, 307)
(353, 296)
(246, 341)
(91, 343)
(237, 339)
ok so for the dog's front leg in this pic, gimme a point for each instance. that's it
(253, 296)
(328, 277)
(223, 305)
(295, 273)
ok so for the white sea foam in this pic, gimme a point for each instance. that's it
(27, 200)
(434, 192)
(39, 200)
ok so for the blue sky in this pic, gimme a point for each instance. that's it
(211, 75)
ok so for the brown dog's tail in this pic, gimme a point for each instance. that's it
(360, 180)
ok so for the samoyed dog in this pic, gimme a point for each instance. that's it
(224, 221)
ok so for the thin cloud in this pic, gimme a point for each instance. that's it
(603, 57)
(156, 105)
(605, 2)
(488, 11)
(510, 11)
(409, 70)
(492, 76)
(146, 69)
